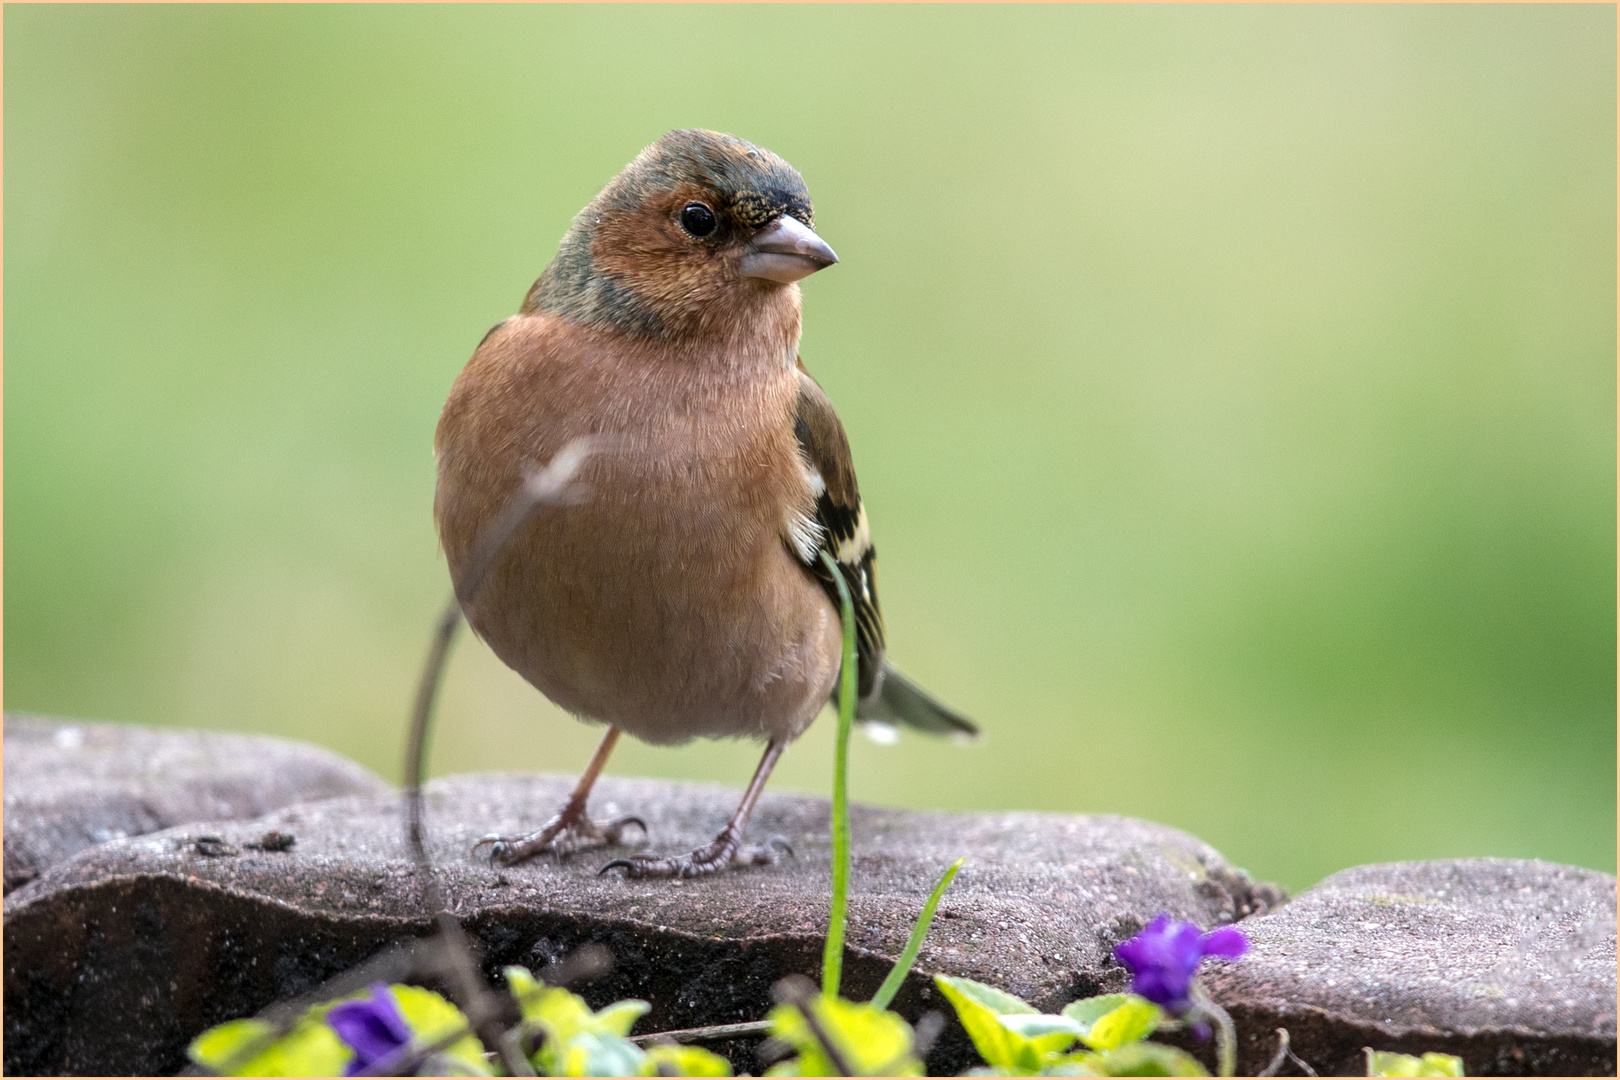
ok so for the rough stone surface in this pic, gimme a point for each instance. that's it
(117, 956)
(71, 785)
(1509, 964)
(115, 959)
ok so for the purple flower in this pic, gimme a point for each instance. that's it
(374, 1027)
(1165, 956)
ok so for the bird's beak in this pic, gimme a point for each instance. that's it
(785, 251)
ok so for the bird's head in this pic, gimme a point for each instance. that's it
(702, 233)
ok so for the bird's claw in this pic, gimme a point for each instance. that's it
(726, 851)
(614, 830)
(568, 832)
(494, 841)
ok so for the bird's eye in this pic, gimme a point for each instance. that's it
(697, 219)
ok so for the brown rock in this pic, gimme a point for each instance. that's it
(114, 960)
(1508, 964)
(71, 785)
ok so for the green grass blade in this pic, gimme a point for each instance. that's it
(832, 960)
(908, 956)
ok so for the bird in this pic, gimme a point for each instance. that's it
(685, 595)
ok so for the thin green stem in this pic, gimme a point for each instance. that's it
(832, 960)
(713, 1033)
(902, 966)
(1225, 1033)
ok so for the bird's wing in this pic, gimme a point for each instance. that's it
(840, 529)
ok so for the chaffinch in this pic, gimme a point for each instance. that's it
(686, 595)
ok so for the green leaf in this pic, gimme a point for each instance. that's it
(871, 1041)
(997, 1023)
(1063, 1066)
(1040, 1025)
(591, 1053)
(997, 1002)
(431, 1018)
(1380, 1063)
(1142, 1059)
(215, 1048)
(919, 930)
(1441, 1065)
(578, 1042)
(521, 984)
(1112, 1020)
(562, 1015)
(310, 1048)
(683, 1061)
(619, 1017)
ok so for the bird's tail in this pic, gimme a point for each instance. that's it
(901, 701)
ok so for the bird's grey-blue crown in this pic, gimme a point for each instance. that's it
(751, 181)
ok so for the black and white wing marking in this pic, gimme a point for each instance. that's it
(839, 528)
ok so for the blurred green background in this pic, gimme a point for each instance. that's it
(1233, 388)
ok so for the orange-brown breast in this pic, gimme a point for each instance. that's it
(666, 602)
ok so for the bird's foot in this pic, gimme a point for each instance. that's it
(568, 832)
(728, 850)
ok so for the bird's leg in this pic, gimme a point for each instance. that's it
(728, 848)
(570, 830)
